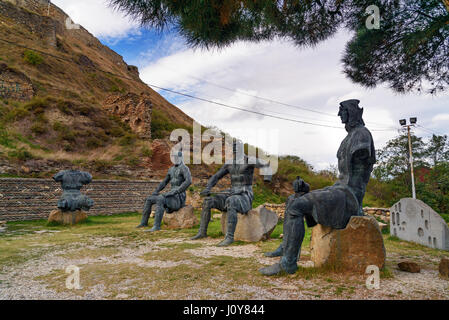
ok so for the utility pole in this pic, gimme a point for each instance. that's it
(403, 123)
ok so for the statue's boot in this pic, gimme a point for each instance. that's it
(275, 269)
(232, 224)
(157, 219)
(205, 218)
(144, 222)
(276, 253)
(145, 215)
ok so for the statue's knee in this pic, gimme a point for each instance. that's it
(232, 202)
(160, 200)
(208, 203)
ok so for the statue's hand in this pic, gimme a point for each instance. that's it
(205, 193)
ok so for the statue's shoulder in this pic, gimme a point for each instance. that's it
(362, 134)
(184, 167)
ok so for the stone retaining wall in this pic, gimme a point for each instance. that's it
(31, 199)
(381, 213)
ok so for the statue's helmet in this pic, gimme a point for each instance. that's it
(355, 113)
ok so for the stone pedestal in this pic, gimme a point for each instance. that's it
(256, 225)
(67, 218)
(444, 268)
(352, 249)
(182, 219)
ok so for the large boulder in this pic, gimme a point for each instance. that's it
(354, 248)
(444, 268)
(256, 225)
(408, 266)
(184, 218)
(67, 218)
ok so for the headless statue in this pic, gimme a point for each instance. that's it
(332, 206)
(71, 182)
(239, 199)
(180, 179)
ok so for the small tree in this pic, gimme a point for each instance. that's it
(32, 57)
(438, 149)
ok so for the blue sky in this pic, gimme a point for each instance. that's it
(310, 79)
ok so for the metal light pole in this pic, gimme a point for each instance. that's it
(403, 123)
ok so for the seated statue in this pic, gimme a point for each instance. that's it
(332, 206)
(239, 199)
(180, 179)
(71, 182)
(301, 188)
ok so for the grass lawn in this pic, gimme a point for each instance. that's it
(118, 261)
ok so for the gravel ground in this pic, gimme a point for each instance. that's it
(19, 282)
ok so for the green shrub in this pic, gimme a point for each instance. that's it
(146, 152)
(101, 165)
(94, 142)
(128, 139)
(65, 107)
(133, 161)
(32, 57)
(20, 154)
(161, 126)
(39, 128)
(5, 140)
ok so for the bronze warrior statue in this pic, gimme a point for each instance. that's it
(239, 199)
(332, 206)
(180, 179)
(71, 183)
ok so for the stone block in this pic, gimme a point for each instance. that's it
(444, 268)
(409, 266)
(256, 225)
(67, 218)
(182, 219)
(413, 220)
(354, 248)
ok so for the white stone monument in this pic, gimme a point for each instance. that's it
(413, 220)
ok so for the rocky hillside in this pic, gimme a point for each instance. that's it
(65, 99)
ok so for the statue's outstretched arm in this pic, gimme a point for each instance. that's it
(265, 169)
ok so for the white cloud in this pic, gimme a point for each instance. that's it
(442, 117)
(277, 70)
(98, 18)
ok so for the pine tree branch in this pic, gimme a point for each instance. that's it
(446, 3)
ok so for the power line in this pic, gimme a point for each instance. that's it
(246, 110)
(430, 131)
(270, 100)
(191, 96)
